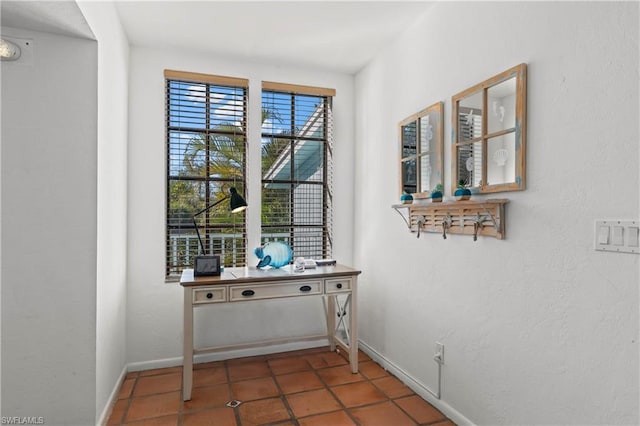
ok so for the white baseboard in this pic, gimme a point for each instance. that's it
(415, 385)
(217, 356)
(111, 401)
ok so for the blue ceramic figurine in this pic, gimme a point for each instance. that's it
(274, 254)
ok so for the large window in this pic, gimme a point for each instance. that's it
(206, 156)
(297, 168)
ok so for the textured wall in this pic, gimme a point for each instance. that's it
(49, 129)
(154, 308)
(539, 328)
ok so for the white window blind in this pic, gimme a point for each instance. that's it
(206, 121)
(297, 170)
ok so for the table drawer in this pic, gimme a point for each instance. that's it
(338, 285)
(269, 291)
(209, 295)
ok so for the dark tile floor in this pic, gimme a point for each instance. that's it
(306, 388)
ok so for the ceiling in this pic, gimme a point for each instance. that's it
(338, 35)
(341, 36)
(58, 17)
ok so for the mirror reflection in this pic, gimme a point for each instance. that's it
(421, 139)
(409, 175)
(470, 117)
(501, 102)
(409, 178)
(501, 167)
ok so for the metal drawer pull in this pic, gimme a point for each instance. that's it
(339, 285)
(209, 295)
(305, 288)
(248, 293)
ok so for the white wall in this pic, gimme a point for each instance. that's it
(49, 230)
(154, 308)
(113, 78)
(538, 328)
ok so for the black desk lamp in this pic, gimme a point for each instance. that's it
(207, 265)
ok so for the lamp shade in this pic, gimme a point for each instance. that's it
(237, 202)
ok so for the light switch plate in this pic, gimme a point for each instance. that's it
(618, 236)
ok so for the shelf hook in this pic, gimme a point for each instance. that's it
(477, 226)
(446, 223)
(496, 225)
(420, 222)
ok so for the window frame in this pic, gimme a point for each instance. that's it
(174, 269)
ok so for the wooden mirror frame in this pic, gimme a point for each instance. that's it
(519, 72)
(436, 148)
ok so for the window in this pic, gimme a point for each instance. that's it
(206, 120)
(297, 168)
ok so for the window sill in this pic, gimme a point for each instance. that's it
(172, 279)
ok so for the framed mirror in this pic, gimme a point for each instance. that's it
(489, 134)
(421, 151)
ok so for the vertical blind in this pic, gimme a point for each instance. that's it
(206, 122)
(297, 170)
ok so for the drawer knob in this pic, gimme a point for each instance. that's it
(339, 285)
(248, 293)
(209, 295)
(305, 288)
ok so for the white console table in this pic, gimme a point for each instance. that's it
(251, 284)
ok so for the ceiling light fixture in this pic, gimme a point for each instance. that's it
(8, 51)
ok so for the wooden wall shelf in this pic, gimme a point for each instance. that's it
(485, 218)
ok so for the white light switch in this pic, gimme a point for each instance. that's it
(603, 235)
(617, 238)
(632, 236)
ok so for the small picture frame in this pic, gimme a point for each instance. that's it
(206, 266)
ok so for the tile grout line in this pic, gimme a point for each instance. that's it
(181, 396)
(388, 398)
(129, 398)
(236, 409)
(326, 386)
(345, 409)
(282, 395)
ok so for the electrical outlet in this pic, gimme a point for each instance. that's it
(439, 353)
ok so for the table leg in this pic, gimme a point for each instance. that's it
(331, 321)
(353, 326)
(187, 353)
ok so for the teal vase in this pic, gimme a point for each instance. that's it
(462, 194)
(406, 198)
